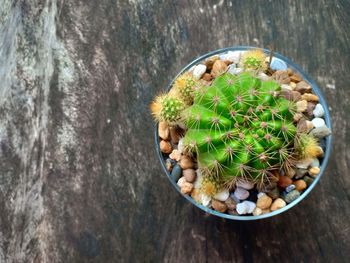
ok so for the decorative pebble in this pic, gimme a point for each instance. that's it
(207, 77)
(278, 204)
(232, 212)
(190, 175)
(318, 122)
(291, 95)
(319, 152)
(180, 145)
(266, 211)
(264, 202)
(163, 130)
(245, 184)
(175, 155)
(300, 173)
(286, 87)
(308, 180)
(233, 70)
(219, 206)
(284, 181)
(165, 146)
(310, 108)
(230, 203)
(292, 84)
(313, 171)
(300, 185)
(169, 164)
(315, 162)
(186, 162)
(290, 188)
(232, 56)
(199, 70)
(260, 195)
(234, 198)
(205, 200)
(297, 116)
(318, 111)
(304, 126)
(175, 134)
(274, 193)
(219, 67)
(309, 97)
(199, 179)
(176, 172)
(186, 188)
(278, 64)
(301, 105)
(181, 181)
(222, 195)
(321, 132)
(304, 163)
(257, 211)
(241, 193)
(263, 76)
(302, 87)
(291, 196)
(295, 78)
(246, 207)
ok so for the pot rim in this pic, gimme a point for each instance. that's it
(324, 162)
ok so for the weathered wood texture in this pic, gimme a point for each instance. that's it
(79, 177)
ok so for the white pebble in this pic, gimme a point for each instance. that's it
(286, 87)
(205, 200)
(199, 179)
(278, 64)
(260, 194)
(318, 111)
(180, 145)
(233, 70)
(199, 70)
(318, 122)
(263, 76)
(246, 207)
(241, 193)
(233, 56)
(315, 163)
(181, 181)
(222, 196)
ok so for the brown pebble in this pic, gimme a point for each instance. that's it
(278, 204)
(186, 188)
(163, 130)
(175, 155)
(300, 185)
(309, 97)
(284, 181)
(292, 84)
(207, 77)
(189, 174)
(301, 105)
(319, 152)
(313, 171)
(265, 211)
(219, 67)
(209, 62)
(303, 87)
(310, 108)
(175, 134)
(295, 78)
(297, 116)
(165, 146)
(291, 95)
(186, 162)
(264, 202)
(230, 203)
(219, 206)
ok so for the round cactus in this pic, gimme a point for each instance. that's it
(254, 60)
(240, 127)
(184, 87)
(166, 108)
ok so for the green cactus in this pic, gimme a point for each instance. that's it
(167, 108)
(184, 87)
(239, 127)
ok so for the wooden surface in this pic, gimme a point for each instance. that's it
(79, 177)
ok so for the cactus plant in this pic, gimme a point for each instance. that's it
(239, 127)
(166, 108)
(184, 87)
(254, 60)
(306, 146)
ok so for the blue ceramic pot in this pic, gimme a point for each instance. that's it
(323, 162)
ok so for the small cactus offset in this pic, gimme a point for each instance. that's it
(184, 88)
(166, 108)
(240, 127)
(254, 60)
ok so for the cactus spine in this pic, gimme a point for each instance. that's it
(239, 127)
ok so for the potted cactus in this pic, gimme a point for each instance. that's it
(242, 132)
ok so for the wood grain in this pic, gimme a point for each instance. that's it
(79, 177)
